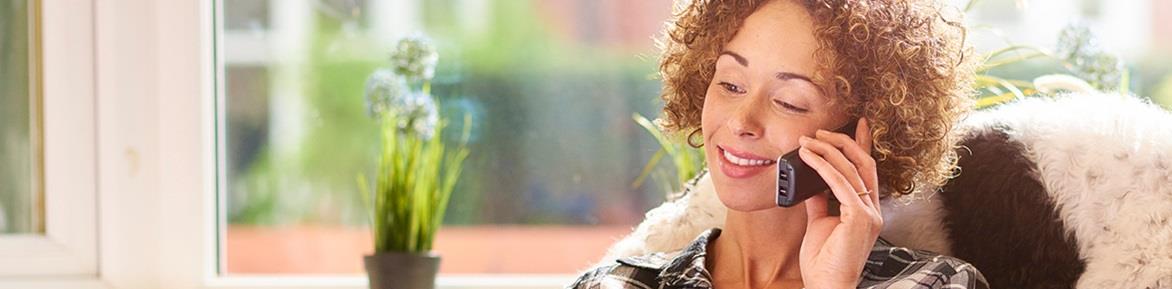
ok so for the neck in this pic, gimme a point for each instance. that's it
(759, 248)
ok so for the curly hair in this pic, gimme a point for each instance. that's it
(900, 63)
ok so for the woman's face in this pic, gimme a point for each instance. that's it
(761, 99)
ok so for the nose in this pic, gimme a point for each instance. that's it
(745, 120)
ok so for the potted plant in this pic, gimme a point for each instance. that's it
(416, 172)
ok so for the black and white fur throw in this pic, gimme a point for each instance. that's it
(1066, 192)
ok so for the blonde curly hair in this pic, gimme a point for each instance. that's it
(900, 63)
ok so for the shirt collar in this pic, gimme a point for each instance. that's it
(687, 268)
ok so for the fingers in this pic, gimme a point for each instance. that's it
(839, 185)
(855, 213)
(832, 155)
(858, 151)
(870, 175)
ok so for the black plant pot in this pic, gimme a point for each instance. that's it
(400, 270)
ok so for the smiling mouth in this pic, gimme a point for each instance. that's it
(744, 161)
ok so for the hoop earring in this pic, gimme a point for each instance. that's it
(691, 136)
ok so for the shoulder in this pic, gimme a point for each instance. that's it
(630, 272)
(898, 267)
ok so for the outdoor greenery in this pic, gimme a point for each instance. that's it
(312, 182)
(17, 211)
(538, 108)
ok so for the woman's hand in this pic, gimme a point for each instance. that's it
(835, 248)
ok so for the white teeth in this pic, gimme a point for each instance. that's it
(745, 162)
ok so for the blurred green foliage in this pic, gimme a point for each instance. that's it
(552, 140)
(688, 161)
(17, 211)
(315, 183)
(554, 143)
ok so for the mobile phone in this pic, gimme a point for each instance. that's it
(797, 181)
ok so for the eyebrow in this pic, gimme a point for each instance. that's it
(740, 59)
(780, 75)
(790, 75)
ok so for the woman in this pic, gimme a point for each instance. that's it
(756, 79)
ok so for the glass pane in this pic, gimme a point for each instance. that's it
(20, 197)
(551, 87)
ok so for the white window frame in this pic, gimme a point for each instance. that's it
(67, 248)
(130, 106)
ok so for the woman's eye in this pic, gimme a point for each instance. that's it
(731, 87)
(790, 107)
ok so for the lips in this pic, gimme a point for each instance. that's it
(741, 164)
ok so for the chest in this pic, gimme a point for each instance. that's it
(736, 284)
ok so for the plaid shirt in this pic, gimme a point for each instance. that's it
(888, 267)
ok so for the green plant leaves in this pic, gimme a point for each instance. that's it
(416, 176)
(688, 161)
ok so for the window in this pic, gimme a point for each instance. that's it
(551, 87)
(21, 201)
(47, 176)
